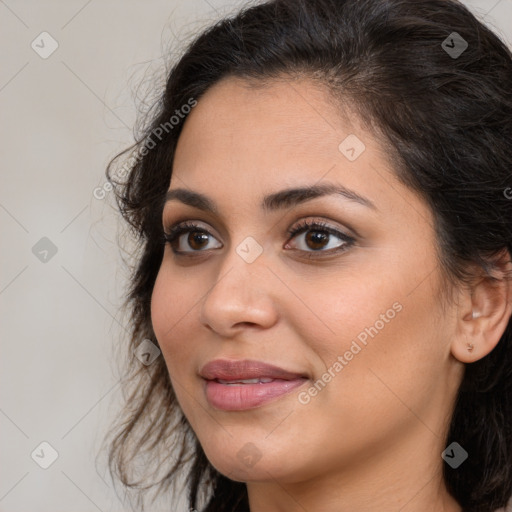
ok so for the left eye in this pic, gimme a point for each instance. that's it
(318, 238)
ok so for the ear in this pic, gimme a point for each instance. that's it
(484, 310)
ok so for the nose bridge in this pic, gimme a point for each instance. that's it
(241, 293)
(243, 270)
(246, 259)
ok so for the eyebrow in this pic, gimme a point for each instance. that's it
(272, 202)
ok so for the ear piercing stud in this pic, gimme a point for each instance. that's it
(470, 346)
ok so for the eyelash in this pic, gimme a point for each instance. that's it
(306, 225)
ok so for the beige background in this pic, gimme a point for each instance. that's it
(63, 118)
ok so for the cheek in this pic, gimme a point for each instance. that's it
(162, 305)
(358, 308)
(387, 330)
(172, 307)
(172, 310)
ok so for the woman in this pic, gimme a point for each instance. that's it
(323, 206)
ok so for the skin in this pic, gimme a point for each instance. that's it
(372, 438)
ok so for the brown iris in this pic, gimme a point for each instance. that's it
(197, 237)
(315, 238)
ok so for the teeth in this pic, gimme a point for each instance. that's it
(245, 381)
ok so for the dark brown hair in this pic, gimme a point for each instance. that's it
(448, 121)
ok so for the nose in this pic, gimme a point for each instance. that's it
(241, 296)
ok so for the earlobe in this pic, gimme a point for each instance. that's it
(484, 312)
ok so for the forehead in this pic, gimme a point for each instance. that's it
(284, 127)
(242, 142)
(235, 112)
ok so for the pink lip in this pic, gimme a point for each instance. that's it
(240, 396)
(230, 369)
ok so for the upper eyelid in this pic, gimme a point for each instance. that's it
(342, 225)
(298, 227)
(309, 219)
(188, 225)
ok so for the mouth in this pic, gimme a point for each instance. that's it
(237, 385)
(245, 381)
(240, 370)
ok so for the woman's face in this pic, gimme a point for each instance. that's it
(352, 314)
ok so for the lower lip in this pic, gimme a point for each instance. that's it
(239, 397)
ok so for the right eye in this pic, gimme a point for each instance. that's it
(188, 233)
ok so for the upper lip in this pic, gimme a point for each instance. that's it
(226, 369)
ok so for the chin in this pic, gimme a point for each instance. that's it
(245, 462)
(240, 468)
